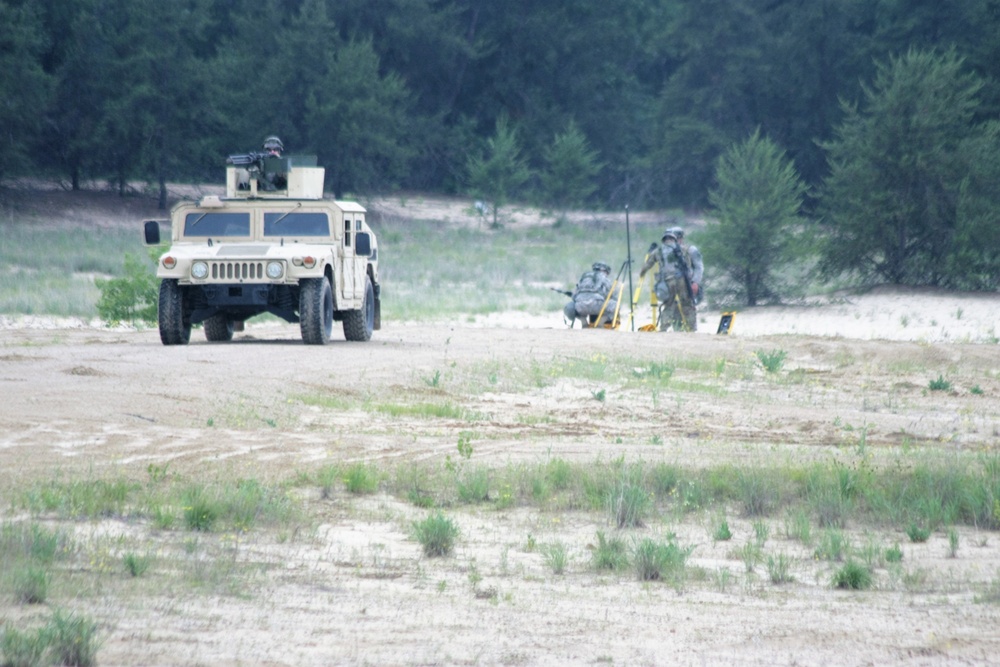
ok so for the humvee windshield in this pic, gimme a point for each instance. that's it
(296, 224)
(217, 224)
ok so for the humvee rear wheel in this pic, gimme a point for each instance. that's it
(315, 310)
(219, 328)
(358, 324)
(175, 324)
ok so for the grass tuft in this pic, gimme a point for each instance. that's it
(437, 534)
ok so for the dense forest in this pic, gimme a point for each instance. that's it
(565, 102)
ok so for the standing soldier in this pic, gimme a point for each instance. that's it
(697, 265)
(674, 285)
(590, 295)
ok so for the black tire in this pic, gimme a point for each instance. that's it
(174, 320)
(315, 310)
(219, 328)
(359, 324)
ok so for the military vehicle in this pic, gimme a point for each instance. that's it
(272, 244)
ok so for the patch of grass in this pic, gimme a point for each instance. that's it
(940, 384)
(31, 584)
(628, 501)
(761, 531)
(665, 560)
(833, 545)
(853, 576)
(73, 639)
(23, 649)
(610, 553)
(779, 569)
(473, 485)
(327, 478)
(599, 395)
(917, 532)
(798, 527)
(361, 479)
(436, 534)
(722, 532)
(952, 543)
(894, 554)
(556, 557)
(771, 360)
(136, 564)
(977, 390)
(751, 554)
(758, 492)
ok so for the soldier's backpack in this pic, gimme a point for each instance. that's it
(589, 282)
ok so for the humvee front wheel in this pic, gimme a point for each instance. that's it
(175, 323)
(219, 328)
(358, 324)
(315, 310)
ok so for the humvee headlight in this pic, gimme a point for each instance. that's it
(275, 270)
(169, 262)
(199, 270)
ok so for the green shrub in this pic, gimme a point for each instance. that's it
(73, 639)
(940, 384)
(772, 360)
(893, 554)
(722, 532)
(610, 554)
(917, 533)
(556, 557)
(832, 545)
(132, 297)
(31, 585)
(660, 561)
(360, 478)
(135, 564)
(853, 576)
(778, 569)
(436, 534)
(22, 649)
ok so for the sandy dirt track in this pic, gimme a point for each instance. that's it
(85, 401)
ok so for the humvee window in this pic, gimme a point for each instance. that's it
(296, 224)
(217, 224)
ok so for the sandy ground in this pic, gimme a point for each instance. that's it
(80, 400)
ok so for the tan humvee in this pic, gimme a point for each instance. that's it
(272, 244)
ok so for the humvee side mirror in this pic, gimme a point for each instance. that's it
(151, 231)
(363, 244)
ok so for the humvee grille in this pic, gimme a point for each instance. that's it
(237, 270)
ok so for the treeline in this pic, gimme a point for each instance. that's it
(570, 102)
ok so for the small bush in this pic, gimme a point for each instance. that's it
(917, 533)
(660, 561)
(556, 557)
(610, 554)
(31, 585)
(940, 384)
(23, 649)
(832, 546)
(853, 576)
(130, 298)
(778, 569)
(73, 639)
(436, 534)
(474, 486)
(722, 532)
(361, 479)
(772, 360)
(628, 503)
(200, 512)
(135, 564)
(894, 554)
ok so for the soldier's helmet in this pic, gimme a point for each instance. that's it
(273, 143)
(601, 266)
(677, 232)
(669, 234)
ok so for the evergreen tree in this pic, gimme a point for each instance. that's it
(757, 202)
(571, 167)
(25, 88)
(891, 202)
(497, 175)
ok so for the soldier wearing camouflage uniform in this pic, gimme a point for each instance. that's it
(697, 272)
(676, 306)
(589, 297)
